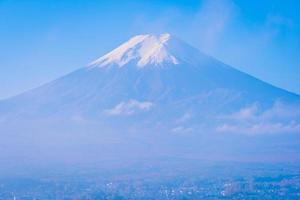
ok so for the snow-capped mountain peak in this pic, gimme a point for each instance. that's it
(143, 50)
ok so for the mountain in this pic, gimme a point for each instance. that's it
(158, 86)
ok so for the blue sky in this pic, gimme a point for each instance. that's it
(42, 40)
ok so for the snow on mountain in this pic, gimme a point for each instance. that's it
(143, 49)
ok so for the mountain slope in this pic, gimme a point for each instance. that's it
(158, 69)
(155, 95)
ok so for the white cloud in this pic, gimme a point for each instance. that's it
(282, 111)
(245, 113)
(277, 111)
(280, 118)
(181, 129)
(260, 128)
(130, 107)
(184, 118)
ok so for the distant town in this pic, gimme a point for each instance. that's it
(250, 185)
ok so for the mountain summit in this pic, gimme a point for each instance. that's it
(142, 49)
(148, 50)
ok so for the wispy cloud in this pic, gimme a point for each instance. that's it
(280, 118)
(246, 113)
(182, 129)
(130, 107)
(211, 21)
(278, 111)
(184, 118)
(260, 128)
